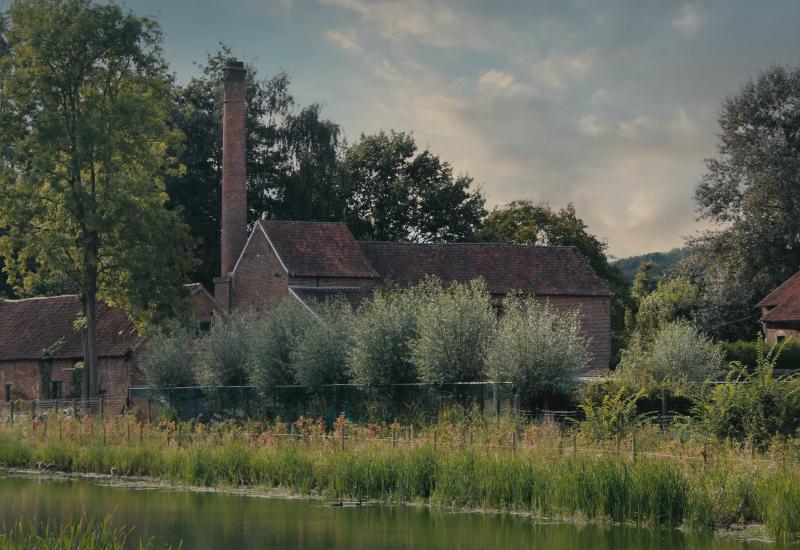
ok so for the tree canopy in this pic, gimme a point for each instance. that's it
(751, 192)
(84, 95)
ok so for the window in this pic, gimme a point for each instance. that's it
(781, 338)
(57, 389)
(203, 327)
(8, 392)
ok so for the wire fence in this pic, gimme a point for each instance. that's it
(41, 409)
(414, 402)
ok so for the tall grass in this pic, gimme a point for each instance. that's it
(537, 473)
(83, 534)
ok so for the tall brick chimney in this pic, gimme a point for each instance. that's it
(234, 175)
(234, 168)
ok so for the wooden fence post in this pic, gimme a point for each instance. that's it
(633, 446)
(574, 445)
(514, 441)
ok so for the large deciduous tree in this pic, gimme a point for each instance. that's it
(751, 192)
(395, 193)
(84, 94)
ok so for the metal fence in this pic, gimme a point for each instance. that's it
(41, 409)
(416, 402)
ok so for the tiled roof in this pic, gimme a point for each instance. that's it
(789, 289)
(37, 327)
(540, 270)
(317, 249)
(784, 301)
(314, 295)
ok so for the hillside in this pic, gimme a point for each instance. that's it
(662, 260)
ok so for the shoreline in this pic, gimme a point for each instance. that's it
(751, 532)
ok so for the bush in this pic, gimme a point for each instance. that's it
(223, 354)
(454, 326)
(753, 404)
(320, 350)
(168, 356)
(269, 361)
(745, 351)
(382, 335)
(537, 348)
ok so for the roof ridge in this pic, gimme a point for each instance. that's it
(303, 222)
(492, 243)
(32, 298)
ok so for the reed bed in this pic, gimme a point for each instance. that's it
(83, 534)
(648, 478)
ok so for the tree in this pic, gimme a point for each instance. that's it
(394, 193)
(320, 352)
(523, 222)
(269, 361)
(167, 360)
(538, 349)
(84, 94)
(223, 355)
(671, 300)
(382, 335)
(678, 359)
(454, 326)
(643, 282)
(750, 191)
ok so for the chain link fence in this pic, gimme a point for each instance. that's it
(414, 402)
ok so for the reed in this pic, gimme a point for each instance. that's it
(490, 467)
(83, 534)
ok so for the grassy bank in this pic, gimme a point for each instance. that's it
(549, 478)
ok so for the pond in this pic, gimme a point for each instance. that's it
(206, 520)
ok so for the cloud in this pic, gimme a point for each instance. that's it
(599, 96)
(499, 83)
(558, 70)
(589, 125)
(348, 42)
(688, 20)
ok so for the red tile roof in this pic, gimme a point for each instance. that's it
(37, 327)
(784, 301)
(539, 270)
(317, 249)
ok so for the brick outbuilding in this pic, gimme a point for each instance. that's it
(317, 260)
(780, 311)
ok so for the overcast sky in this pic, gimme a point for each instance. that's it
(609, 105)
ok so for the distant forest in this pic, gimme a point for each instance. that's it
(662, 262)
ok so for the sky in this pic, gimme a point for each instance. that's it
(609, 105)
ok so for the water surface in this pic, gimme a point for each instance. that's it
(212, 520)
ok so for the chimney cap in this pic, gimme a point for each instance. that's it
(233, 64)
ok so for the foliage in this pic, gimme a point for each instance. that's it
(223, 354)
(679, 358)
(269, 360)
(84, 93)
(383, 332)
(670, 301)
(613, 415)
(746, 352)
(537, 348)
(83, 534)
(523, 222)
(662, 263)
(750, 192)
(753, 404)
(454, 327)
(394, 193)
(168, 355)
(320, 351)
(644, 282)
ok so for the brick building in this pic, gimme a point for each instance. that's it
(780, 311)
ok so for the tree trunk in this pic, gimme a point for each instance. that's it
(89, 304)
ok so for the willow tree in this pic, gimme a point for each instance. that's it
(84, 93)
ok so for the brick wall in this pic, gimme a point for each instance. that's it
(115, 376)
(772, 332)
(595, 323)
(353, 282)
(260, 280)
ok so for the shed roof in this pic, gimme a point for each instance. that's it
(44, 327)
(789, 290)
(317, 249)
(539, 270)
